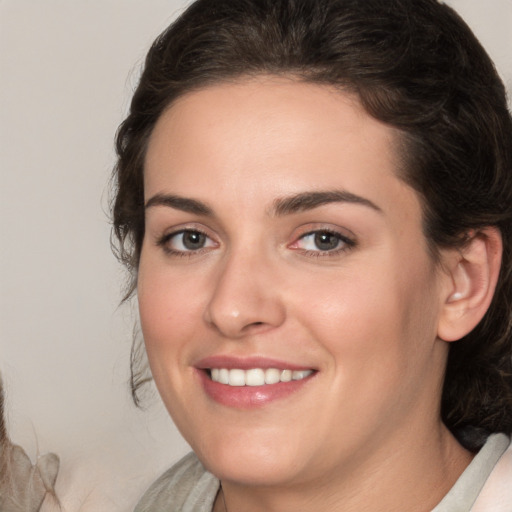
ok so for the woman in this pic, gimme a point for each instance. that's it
(315, 200)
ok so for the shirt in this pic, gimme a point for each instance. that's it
(485, 485)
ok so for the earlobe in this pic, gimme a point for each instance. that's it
(472, 272)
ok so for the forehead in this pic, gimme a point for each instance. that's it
(258, 139)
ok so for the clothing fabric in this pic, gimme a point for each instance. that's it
(186, 487)
(469, 487)
(485, 485)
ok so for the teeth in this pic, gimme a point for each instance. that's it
(272, 376)
(223, 376)
(256, 376)
(236, 377)
(286, 376)
(301, 374)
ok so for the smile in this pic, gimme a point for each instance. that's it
(256, 376)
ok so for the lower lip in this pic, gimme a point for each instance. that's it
(249, 397)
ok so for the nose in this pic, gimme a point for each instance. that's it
(245, 297)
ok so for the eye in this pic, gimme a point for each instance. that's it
(323, 241)
(185, 241)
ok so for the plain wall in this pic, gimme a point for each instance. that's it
(67, 72)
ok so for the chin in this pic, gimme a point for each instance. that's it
(250, 460)
(257, 471)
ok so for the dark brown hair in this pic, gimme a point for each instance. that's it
(414, 65)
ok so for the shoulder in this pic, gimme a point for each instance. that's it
(187, 486)
(496, 494)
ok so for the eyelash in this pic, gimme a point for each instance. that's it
(164, 241)
(346, 243)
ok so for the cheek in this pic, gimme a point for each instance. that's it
(372, 317)
(168, 311)
(377, 332)
(167, 322)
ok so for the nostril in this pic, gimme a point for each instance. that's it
(254, 326)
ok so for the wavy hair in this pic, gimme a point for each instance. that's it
(415, 65)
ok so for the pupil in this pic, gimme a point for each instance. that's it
(326, 241)
(193, 240)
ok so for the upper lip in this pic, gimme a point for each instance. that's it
(247, 363)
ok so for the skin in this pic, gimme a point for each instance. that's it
(364, 433)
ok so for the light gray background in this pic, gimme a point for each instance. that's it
(67, 70)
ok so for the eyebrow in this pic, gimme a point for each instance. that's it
(283, 206)
(184, 204)
(310, 200)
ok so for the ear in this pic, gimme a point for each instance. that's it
(472, 276)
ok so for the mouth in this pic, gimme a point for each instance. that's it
(238, 377)
(251, 382)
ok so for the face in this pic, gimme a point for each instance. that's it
(288, 302)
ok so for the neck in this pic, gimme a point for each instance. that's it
(413, 474)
